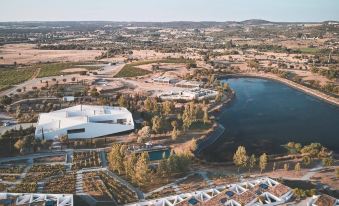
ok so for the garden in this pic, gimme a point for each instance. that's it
(120, 192)
(86, 159)
(64, 184)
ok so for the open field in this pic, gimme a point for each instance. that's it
(26, 54)
(132, 69)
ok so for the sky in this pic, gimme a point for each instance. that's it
(169, 10)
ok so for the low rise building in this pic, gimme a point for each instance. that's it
(322, 200)
(36, 199)
(84, 121)
(262, 191)
(189, 94)
(165, 80)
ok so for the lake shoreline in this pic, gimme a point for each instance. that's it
(319, 95)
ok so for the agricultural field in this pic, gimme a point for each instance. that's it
(57, 69)
(11, 76)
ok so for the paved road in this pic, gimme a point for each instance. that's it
(16, 126)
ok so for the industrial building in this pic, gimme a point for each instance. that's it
(84, 121)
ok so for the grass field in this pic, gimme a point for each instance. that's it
(12, 76)
(131, 70)
(55, 69)
(309, 50)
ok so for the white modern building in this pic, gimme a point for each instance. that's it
(84, 121)
(36, 199)
(261, 191)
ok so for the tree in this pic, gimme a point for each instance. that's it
(156, 124)
(297, 167)
(162, 169)
(19, 145)
(141, 169)
(167, 107)
(307, 160)
(144, 134)
(129, 164)
(206, 118)
(286, 166)
(337, 172)
(174, 133)
(148, 104)
(116, 158)
(328, 161)
(240, 157)
(274, 167)
(252, 162)
(122, 101)
(263, 159)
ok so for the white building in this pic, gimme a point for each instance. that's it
(165, 80)
(84, 121)
(36, 199)
(261, 191)
(323, 199)
(189, 94)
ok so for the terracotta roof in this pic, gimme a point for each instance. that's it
(279, 190)
(325, 200)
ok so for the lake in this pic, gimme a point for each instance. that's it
(266, 114)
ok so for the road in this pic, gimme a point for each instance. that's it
(16, 126)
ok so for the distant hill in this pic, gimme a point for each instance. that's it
(255, 22)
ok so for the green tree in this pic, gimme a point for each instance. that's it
(167, 107)
(263, 160)
(116, 158)
(307, 160)
(19, 145)
(252, 162)
(129, 164)
(144, 134)
(122, 101)
(328, 161)
(156, 124)
(174, 133)
(206, 117)
(297, 167)
(148, 104)
(141, 169)
(286, 166)
(240, 157)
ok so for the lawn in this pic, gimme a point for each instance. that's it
(13, 76)
(131, 70)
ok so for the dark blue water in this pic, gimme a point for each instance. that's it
(266, 114)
